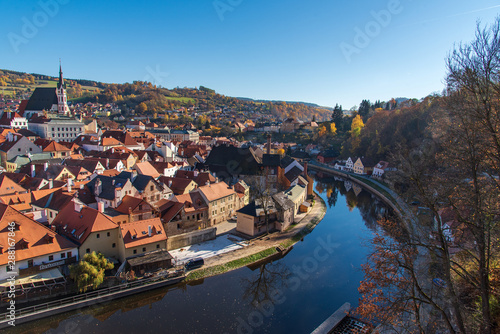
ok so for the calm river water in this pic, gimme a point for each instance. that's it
(293, 294)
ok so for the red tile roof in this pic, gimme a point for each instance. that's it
(40, 239)
(137, 233)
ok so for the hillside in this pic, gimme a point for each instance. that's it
(144, 99)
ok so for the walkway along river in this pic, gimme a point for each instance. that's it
(293, 294)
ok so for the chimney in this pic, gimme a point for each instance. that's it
(169, 183)
(45, 166)
(33, 171)
(53, 228)
(107, 163)
(305, 169)
(100, 206)
(269, 144)
(51, 184)
(112, 150)
(195, 173)
(69, 184)
(149, 230)
(98, 187)
(78, 206)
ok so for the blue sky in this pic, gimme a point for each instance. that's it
(281, 50)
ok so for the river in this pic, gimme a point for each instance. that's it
(293, 294)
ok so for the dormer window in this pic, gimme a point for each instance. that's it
(49, 238)
(23, 244)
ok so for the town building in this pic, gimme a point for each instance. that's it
(37, 248)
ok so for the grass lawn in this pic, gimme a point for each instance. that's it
(220, 269)
(181, 99)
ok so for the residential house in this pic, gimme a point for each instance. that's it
(285, 213)
(251, 219)
(147, 187)
(222, 200)
(298, 195)
(89, 228)
(110, 190)
(349, 164)
(178, 185)
(141, 236)
(363, 166)
(327, 157)
(191, 216)
(37, 247)
(9, 186)
(16, 145)
(133, 209)
(145, 168)
(92, 166)
(380, 169)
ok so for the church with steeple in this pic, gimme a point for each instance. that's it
(62, 98)
(46, 100)
(49, 115)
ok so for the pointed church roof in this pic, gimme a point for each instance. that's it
(61, 80)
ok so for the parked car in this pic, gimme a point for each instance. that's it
(194, 263)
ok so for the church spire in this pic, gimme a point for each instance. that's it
(61, 80)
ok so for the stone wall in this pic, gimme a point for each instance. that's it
(190, 238)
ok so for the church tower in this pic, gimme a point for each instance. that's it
(62, 103)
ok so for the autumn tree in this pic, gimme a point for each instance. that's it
(89, 272)
(142, 107)
(456, 170)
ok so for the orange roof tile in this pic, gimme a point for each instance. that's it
(216, 191)
(145, 168)
(40, 239)
(78, 225)
(137, 233)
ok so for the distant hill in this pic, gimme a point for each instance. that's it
(143, 98)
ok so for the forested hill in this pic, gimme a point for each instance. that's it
(144, 98)
(383, 132)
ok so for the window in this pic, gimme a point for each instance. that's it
(135, 251)
(143, 249)
(19, 149)
(157, 246)
(114, 245)
(97, 235)
(109, 234)
(30, 263)
(51, 257)
(152, 188)
(51, 213)
(69, 254)
(63, 255)
(88, 250)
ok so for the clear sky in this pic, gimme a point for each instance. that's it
(320, 51)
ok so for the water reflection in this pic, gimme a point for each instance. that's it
(369, 205)
(270, 277)
(220, 304)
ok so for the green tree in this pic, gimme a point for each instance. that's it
(337, 116)
(364, 108)
(89, 272)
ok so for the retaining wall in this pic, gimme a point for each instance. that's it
(191, 238)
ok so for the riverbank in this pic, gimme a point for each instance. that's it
(387, 195)
(262, 248)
